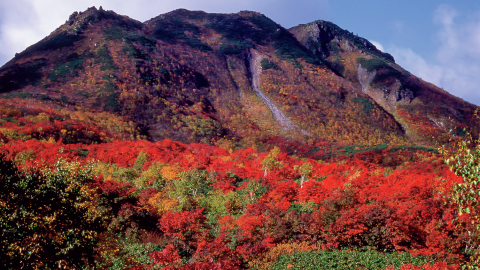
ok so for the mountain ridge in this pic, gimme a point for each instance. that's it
(186, 75)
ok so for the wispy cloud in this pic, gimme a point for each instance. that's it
(456, 66)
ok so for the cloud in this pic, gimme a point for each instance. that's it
(25, 22)
(456, 65)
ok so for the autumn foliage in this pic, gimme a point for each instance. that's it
(226, 210)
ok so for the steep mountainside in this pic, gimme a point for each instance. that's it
(233, 79)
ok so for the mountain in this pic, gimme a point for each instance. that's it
(233, 79)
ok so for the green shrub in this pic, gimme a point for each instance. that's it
(266, 64)
(372, 64)
(105, 59)
(115, 33)
(235, 47)
(384, 70)
(240, 34)
(19, 95)
(367, 105)
(151, 44)
(136, 53)
(43, 213)
(333, 47)
(303, 208)
(287, 47)
(118, 33)
(111, 100)
(347, 260)
(413, 148)
(174, 29)
(236, 29)
(81, 151)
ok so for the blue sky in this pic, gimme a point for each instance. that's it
(439, 41)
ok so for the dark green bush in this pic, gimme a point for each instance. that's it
(43, 215)
(384, 71)
(136, 53)
(174, 29)
(111, 100)
(413, 148)
(367, 105)
(235, 47)
(118, 33)
(105, 60)
(236, 30)
(266, 64)
(287, 47)
(347, 260)
(372, 64)
(115, 33)
(462, 132)
(81, 151)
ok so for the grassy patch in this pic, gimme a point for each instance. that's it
(72, 65)
(19, 95)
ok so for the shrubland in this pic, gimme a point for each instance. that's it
(117, 203)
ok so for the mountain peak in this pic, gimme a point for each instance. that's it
(318, 34)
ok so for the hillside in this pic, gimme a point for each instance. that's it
(233, 79)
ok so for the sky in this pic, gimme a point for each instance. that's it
(438, 41)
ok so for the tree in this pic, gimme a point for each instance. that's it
(464, 196)
(270, 162)
(50, 217)
(304, 170)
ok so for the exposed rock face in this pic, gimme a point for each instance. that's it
(404, 94)
(318, 35)
(365, 77)
(255, 69)
(72, 18)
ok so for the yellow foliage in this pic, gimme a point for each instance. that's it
(162, 203)
(170, 172)
(355, 175)
(14, 135)
(225, 158)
